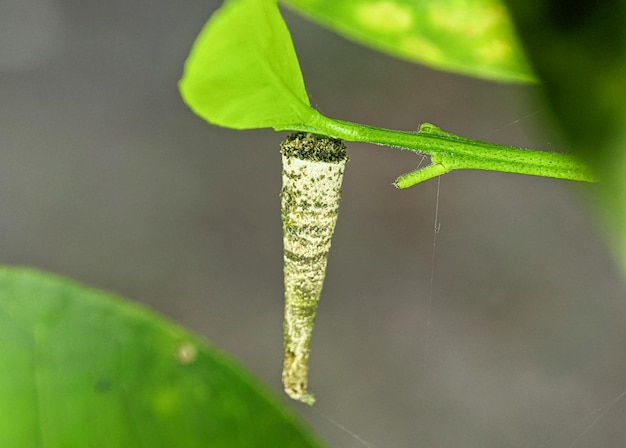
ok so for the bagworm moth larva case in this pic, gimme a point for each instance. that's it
(313, 169)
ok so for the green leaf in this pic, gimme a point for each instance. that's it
(243, 71)
(80, 368)
(473, 37)
(579, 53)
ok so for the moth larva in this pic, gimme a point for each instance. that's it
(312, 173)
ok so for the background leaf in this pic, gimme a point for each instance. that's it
(472, 37)
(580, 55)
(243, 71)
(80, 368)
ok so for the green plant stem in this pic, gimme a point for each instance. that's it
(450, 152)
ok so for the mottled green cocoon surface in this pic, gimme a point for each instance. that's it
(312, 173)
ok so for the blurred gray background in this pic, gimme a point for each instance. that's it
(106, 177)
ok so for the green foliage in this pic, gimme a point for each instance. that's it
(579, 53)
(243, 72)
(80, 368)
(473, 37)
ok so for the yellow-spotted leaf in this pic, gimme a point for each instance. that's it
(473, 37)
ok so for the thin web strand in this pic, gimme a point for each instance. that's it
(436, 228)
(603, 411)
(345, 430)
(547, 145)
(511, 123)
(599, 412)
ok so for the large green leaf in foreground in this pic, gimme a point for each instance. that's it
(473, 37)
(243, 71)
(80, 368)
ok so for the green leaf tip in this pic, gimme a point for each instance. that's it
(243, 72)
